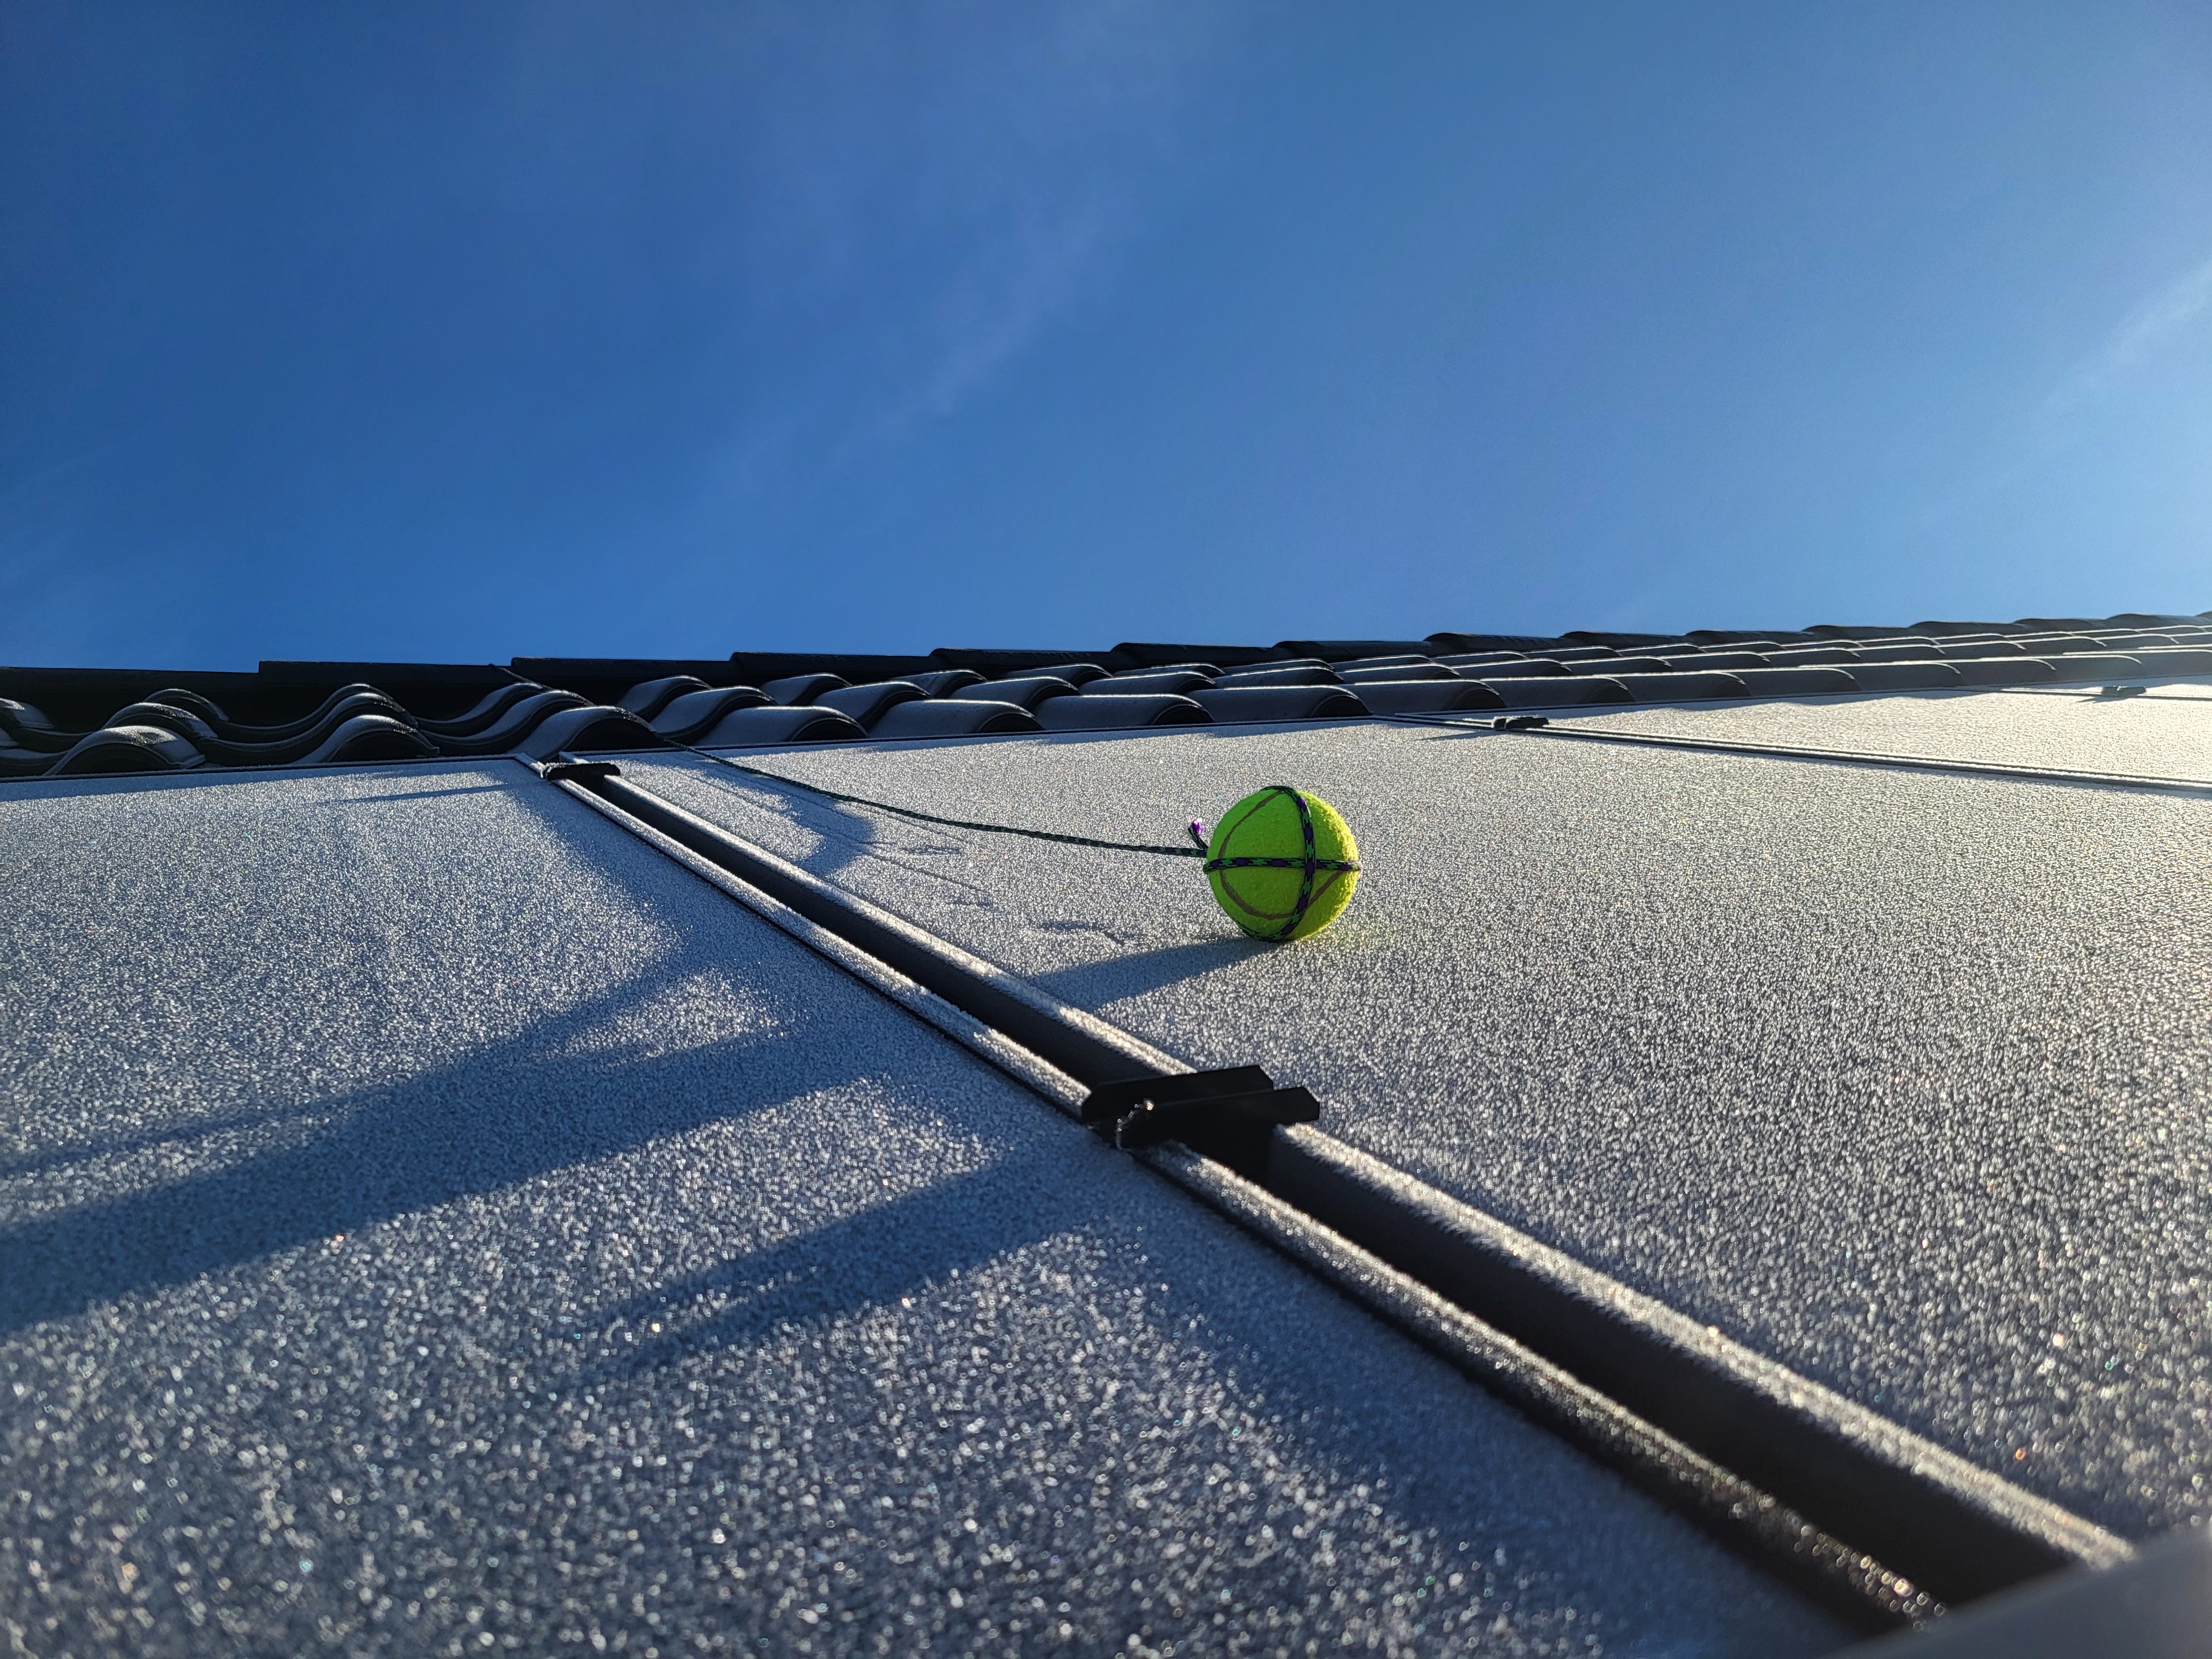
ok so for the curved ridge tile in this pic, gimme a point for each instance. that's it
(1817, 656)
(1586, 653)
(1989, 671)
(1464, 660)
(1111, 713)
(2174, 661)
(181, 721)
(342, 705)
(796, 690)
(25, 762)
(745, 728)
(26, 727)
(519, 720)
(595, 725)
(1563, 692)
(956, 717)
(2097, 665)
(1350, 650)
(648, 698)
(1212, 670)
(1027, 692)
(128, 749)
(490, 709)
(1929, 676)
(1290, 675)
(221, 749)
(944, 682)
(1394, 673)
(354, 700)
(1280, 702)
(1077, 674)
(1812, 680)
(1689, 686)
(1535, 668)
(1911, 651)
(370, 738)
(205, 709)
(1349, 666)
(1450, 694)
(869, 703)
(1166, 681)
(688, 718)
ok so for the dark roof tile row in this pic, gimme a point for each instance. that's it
(297, 713)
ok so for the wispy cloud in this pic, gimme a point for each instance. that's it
(2146, 330)
(2070, 415)
(917, 219)
(2168, 313)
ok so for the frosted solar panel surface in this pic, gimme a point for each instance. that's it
(1898, 1077)
(430, 1220)
(2166, 732)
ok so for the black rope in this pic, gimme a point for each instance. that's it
(954, 824)
(909, 813)
(1308, 865)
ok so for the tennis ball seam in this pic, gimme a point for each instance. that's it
(1317, 902)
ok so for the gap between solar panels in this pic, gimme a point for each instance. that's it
(1544, 726)
(1885, 1526)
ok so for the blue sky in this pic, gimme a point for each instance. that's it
(457, 333)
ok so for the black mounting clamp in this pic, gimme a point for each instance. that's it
(1229, 1114)
(581, 770)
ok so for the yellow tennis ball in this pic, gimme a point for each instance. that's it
(1283, 864)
